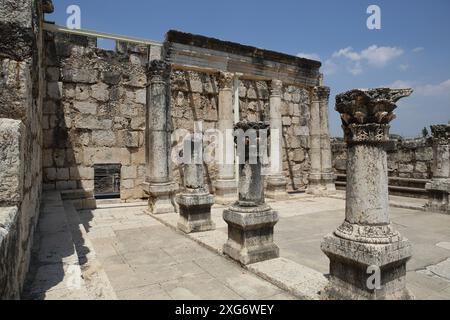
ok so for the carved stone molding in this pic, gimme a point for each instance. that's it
(369, 106)
(367, 133)
(276, 87)
(366, 114)
(226, 80)
(158, 71)
(373, 234)
(441, 134)
(320, 93)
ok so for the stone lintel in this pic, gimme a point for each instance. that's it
(196, 52)
(238, 49)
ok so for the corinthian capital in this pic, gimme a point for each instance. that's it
(320, 93)
(441, 133)
(158, 70)
(226, 80)
(366, 114)
(276, 87)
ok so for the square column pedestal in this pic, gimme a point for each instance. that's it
(250, 234)
(353, 263)
(225, 191)
(276, 188)
(161, 197)
(195, 212)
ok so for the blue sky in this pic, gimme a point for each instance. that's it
(412, 49)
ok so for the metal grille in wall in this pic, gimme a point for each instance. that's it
(107, 180)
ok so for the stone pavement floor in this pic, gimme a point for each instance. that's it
(144, 259)
(305, 220)
(303, 223)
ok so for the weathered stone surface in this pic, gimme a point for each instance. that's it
(12, 166)
(15, 90)
(250, 220)
(439, 187)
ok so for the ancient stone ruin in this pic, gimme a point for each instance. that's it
(225, 142)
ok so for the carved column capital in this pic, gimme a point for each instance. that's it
(276, 87)
(158, 71)
(441, 134)
(366, 114)
(320, 93)
(226, 80)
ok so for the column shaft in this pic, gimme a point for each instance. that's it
(367, 241)
(226, 185)
(328, 177)
(276, 181)
(159, 184)
(315, 154)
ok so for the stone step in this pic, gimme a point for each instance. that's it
(404, 188)
(80, 198)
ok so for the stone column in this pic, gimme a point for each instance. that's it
(366, 244)
(195, 202)
(315, 185)
(158, 183)
(439, 188)
(276, 181)
(250, 220)
(226, 185)
(328, 176)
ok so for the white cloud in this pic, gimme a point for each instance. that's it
(400, 84)
(356, 61)
(418, 49)
(440, 89)
(427, 90)
(329, 67)
(347, 53)
(312, 56)
(403, 67)
(380, 56)
(373, 55)
(355, 69)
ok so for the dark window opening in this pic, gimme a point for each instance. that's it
(107, 181)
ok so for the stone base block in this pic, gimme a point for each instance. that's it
(161, 197)
(355, 268)
(276, 188)
(195, 212)
(321, 185)
(226, 192)
(250, 234)
(438, 193)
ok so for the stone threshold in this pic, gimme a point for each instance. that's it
(303, 282)
(392, 203)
